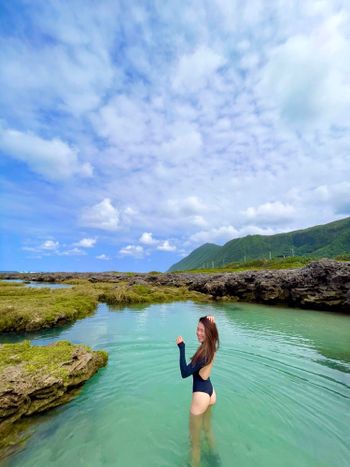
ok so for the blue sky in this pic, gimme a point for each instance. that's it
(133, 132)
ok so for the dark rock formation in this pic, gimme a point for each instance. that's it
(323, 284)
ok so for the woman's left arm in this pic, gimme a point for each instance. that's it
(187, 370)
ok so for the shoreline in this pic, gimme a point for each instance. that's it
(320, 285)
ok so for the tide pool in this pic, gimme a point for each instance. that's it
(282, 378)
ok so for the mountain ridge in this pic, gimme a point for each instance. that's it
(318, 241)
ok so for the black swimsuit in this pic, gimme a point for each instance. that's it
(199, 384)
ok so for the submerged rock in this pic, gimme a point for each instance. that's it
(36, 378)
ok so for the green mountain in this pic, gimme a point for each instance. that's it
(326, 240)
(202, 255)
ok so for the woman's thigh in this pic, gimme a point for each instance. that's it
(212, 398)
(200, 402)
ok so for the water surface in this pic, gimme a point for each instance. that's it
(40, 285)
(282, 378)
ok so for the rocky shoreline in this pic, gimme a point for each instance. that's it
(321, 285)
(34, 379)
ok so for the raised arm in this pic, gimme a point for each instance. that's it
(187, 370)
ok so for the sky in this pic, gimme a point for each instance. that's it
(133, 132)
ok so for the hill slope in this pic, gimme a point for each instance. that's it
(326, 240)
(205, 254)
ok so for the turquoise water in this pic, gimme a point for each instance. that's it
(282, 378)
(40, 285)
(48, 285)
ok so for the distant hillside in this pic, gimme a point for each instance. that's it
(326, 240)
(202, 255)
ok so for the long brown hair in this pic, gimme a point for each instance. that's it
(207, 349)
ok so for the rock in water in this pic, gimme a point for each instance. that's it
(36, 378)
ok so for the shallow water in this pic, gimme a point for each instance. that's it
(282, 378)
(41, 285)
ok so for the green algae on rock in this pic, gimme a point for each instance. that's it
(28, 309)
(36, 378)
(139, 293)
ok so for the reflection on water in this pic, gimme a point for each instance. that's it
(325, 331)
(281, 377)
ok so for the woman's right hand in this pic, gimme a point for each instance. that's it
(179, 340)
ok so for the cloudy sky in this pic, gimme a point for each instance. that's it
(133, 132)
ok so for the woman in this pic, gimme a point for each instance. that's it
(201, 364)
(203, 394)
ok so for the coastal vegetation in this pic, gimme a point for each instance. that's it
(125, 294)
(291, 262)
(28, 309)
(256, 265)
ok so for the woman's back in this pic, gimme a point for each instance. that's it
(204, 372)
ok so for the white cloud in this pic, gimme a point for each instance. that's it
(308, 75)
(102, 216)
(69, 73)
(255, 230)
(129, 211)
(49, 245)
(73, 252)
(166, 246)
(185, 142)
(53, 159)
(195, 69)
(191, 205)
(86, 243)
(162, 245)
(199, 221)
(147, 239)
(219, 234)
(122, 121)
(275, 212)
(132, 250)
(336, 195)
(103, 257)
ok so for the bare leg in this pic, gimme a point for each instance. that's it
(200, 403)
(213, 455)
(195, 436)
(208, 429)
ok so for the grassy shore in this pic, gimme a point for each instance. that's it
(125, 294)
(28, 309)
(291, 262)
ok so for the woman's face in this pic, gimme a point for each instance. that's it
(201, 332)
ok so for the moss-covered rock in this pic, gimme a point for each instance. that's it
(25, 309)
(140, 293)
(36, 378)
(28, 309)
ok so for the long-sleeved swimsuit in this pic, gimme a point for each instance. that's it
(199, 384)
